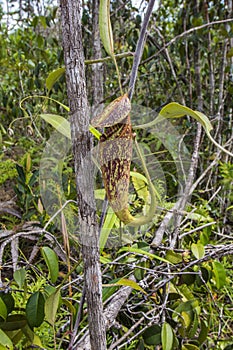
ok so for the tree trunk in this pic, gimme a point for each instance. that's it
(82, 145)
(97, 68)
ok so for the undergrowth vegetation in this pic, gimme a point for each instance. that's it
(181, 288)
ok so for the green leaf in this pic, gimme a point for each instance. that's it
(199, 217)
(220, 274)
(8, 300)
(130, 283)
(35, 309)
(105, 26)
(185, 292)
(152, 335)
(109, 291)
(15, 336)
(203, 332)
(186, 306)
(142, 252)
(187, 318)
(53, 77)
(126, 282)
(51, 306)
(28, 333)
(60, 123)
(51, 260)
(19, 277)
(3, 309)
(141, 188)
(14, 322)
(109, 222)
(21, 173)
(230, 53)
(69, 305)
(139, 176)
(192, 328)
(5, 342)
(198, 250)
(173, 257)
(175, 110)
(167, 336)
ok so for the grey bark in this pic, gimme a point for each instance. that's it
(97, 68)
(82, 145)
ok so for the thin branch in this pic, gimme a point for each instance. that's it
(139, 48)
(189, 31)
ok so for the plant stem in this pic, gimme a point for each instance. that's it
(139, 49)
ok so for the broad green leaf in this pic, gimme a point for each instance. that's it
(175, 110)
(108, 291)
(185, 292)
(62, 125)
(187, 305)
(15, 336)
(3, 309)
(141, 188)
(129, 283)
(51, 306)
(8, 300)
(5, 342)
(152, 335)
(173, 257)
(19, 277)
(69, 305)
(53, 77)
(184, 311)
(198, 250)
(109, 222)
(188, 278)
(220, 274)
(105, 26)
(192, 329)
(187, 318)
(35, 309)
(203, 332)
(59, 123)
(37, 341)
(142, 252)
(51, 260)
(48, 290)
(167, 336)
(230, 53)
(126, 282)
(199, 217)
(14, 322)
(139, 176)
(104, 260)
